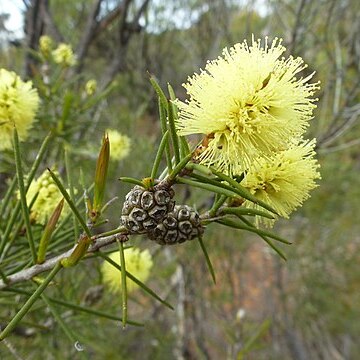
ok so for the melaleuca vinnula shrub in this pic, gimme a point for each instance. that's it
(251, 108)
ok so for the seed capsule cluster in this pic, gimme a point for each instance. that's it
(143, 209)
(153, 212)
(181, 224)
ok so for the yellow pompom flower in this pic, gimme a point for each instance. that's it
(90, 87)
(45, 45)
(64, 55)
(249, 102)
(137, 262)
(47, 199)
(119, 144)
(19, 102)
(284, 180)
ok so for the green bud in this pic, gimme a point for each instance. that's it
(49, 229)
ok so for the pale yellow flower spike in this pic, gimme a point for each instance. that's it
(45, 45)
(19, 102)
(48, 197)
(284, 180)
(138, 263)
(90, 87)
(64, 55)
(249, 103)
(119, 145)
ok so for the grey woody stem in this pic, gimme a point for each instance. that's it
(32, 271)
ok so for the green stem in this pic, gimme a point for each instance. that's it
(22, 190)
(26, 307)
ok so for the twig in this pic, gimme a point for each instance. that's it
(32, 271)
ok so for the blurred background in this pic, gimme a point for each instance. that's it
(261, 306)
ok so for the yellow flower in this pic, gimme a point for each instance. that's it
(284, 180)
(138, 263)
(19, 102)
(90, 87)
(47, 199)
(119, 144)
(64, 55)
(249, 102)
(45, 45)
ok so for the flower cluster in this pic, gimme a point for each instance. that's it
(19, 102)
(47, 198)
(119, 144)
(253, 109)
(45, 45)
(283, 180)
(138, 263)
(90, 87)
(64, 55)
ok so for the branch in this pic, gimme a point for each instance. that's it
(91, 26)
(126, 31)
(29, 273)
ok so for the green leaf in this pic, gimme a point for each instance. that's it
(137, 281)
(184, 147)
(245, 211)
(29, 303)
(163, 143)
(76, 307)
(164, 129)
(269, 242)
(237, 225)
(22, 190)
(159, 91)
(222, 190)
(124, 295)
(48, 231)
(131, 180)
(102, 165)
(251, 342)
(173, 133)
(219, 201)
(207, 258)
(70, 203)
(69, 174)
(240, 190)
(181, 165)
